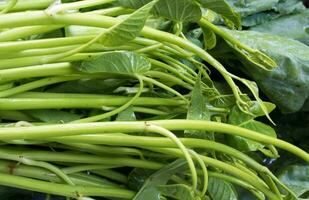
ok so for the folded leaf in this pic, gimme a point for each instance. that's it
(287, 85)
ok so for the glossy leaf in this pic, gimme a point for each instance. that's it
(159, 178)
(219, 189)
(245, 8)
(222, 7)
(121, 62)
(297, 24)
(287, 85)
(129, 28)
(296, 177)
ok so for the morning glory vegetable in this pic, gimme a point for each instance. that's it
(151, 99)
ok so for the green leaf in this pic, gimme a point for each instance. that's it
(245, 8)
(121, 62)
(53, 116)
(176, 10)
(221, 7)
(297, 24)
(177, 191)
(244, 120)
(129, 28)
(210, 38)
(198, 111)
(219, 189)
(150, 188)
(288, 84)
(296, 177)
(127, 115)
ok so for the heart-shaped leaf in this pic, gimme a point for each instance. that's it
(121, 62)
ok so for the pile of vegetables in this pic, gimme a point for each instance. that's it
(150, 99)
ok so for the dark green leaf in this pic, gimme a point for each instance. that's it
(89, 86)
(297, 24)
(219, 189)
(245, 8)
(296, 177)
(221, 7)
(287, 85)
(159, 178)
(121, 62)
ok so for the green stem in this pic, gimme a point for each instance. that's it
(204, 170)
(69, 157)
(169, 78)
(82, 168)
(110, 174)
(27, 161)
(173, 125)
(62, 189)
(22, 32)
(229, 169)
(117, 110)
(26, 5)
(185, 152)
(36, 71)
(76, 5)
(9, 6)
(163, 86)
(9, 167)
(99, 150)
(37, 84)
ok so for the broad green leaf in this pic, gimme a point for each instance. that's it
(179, 10)
(221, 190)
(121, 62)
(53, 116)
(177, 191)
(150, 188)
(210, 38)
(198, 111)
(221, 7)
(244, 120)
(296, 177)
(129, 28)
(297, 24)
(288, 84)
(176, 10)
(245, 8)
